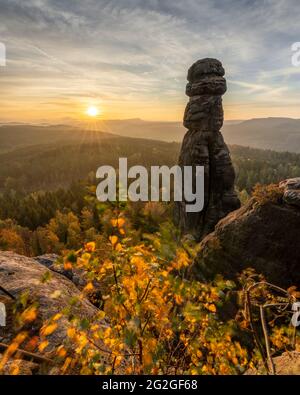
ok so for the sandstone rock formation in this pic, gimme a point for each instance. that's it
(203, 145)
(20, 274)
(287, 363)
(78, 276)
(291, 193)
(261, 235)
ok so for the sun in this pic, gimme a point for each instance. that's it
(92, 111)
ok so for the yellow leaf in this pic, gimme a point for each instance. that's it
(91, 246)
(20, 338)
(43, 345)
(66, 364)
(89, 287)
(119, 247)
(113, 240)
(15, 369)
(121, 222)
(61, 351)
(147, 358)
(57, 317)
(29, 314)
(114, 222)
(71, 332)
(101, 315)
(178, 299)
(32, 343)
(48, 329)
(212, 308)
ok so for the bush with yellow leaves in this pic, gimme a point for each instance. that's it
(154, 319)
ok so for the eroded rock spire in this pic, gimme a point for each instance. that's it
(203, 145)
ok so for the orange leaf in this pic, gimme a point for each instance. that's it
(113, 239)
(121, 222)
(43, 345)
(29, 314)
(89, 287)
(48, 329)
(91, 246)
(68, 266)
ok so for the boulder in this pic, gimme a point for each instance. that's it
(287, 363)
(52, 291)
(291, 194)
(78, 276)
(264, 236)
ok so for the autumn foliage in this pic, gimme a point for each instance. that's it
(153, 317)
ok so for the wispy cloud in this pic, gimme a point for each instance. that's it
(132, 55)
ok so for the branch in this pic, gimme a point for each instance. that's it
(265, 330)
(7, 293)
(145, 292)
(35, 356)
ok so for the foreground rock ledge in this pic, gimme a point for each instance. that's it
(19, 274)
(265, 237)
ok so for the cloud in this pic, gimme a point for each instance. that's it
(139, 50)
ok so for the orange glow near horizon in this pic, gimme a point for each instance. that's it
(79, 110)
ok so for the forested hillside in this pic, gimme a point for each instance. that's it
(44, 203)
(53, 165)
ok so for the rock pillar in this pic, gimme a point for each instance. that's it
(203, 145)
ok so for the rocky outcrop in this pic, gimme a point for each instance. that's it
(51, 261)
(78, 276)
(52, 292)
(203, 145)
(262, 235)
(287, 363)
(291, 194)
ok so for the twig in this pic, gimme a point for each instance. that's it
(110, 352)
(7, 293)
(113, 365)
(265, 330)
(256, 338)
(145, 292)
(37, 357)
(146, 323)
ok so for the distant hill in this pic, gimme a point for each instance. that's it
(164, 131)
(278, 134)
(58, 163)
(14, 136)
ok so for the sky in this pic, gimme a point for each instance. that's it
(129, 58)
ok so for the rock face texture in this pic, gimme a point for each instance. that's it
(291, 193)
(203, 145)
(262, 236)
(287, 363)
(79, 277)
(20, 274)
